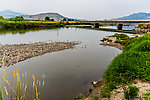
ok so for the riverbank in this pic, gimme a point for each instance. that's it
(130, 68)
(118, 92)
(26, 51)
(29, 24)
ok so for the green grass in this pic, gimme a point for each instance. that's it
(121, 36)
(133, 63)
(27, 25)
(147, 94)
(130, 92)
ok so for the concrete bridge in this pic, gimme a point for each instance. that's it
(119, 23)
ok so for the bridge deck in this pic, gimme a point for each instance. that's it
(118, 21)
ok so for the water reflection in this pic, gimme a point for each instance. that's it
(68, 72)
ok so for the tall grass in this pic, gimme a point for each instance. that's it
(133, 63)
(17, 88)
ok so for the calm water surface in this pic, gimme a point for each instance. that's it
(67, 72)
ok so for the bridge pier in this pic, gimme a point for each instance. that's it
(96, 25)
(119, 26)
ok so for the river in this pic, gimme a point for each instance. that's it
(67, 72)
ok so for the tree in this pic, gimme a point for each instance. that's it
(1, 17)
(64, 19)
(69, 19)
(51, 19)
(47, 18)
(19, 18)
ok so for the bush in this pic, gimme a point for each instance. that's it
(121, 36)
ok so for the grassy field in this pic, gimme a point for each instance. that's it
(7, 24)
(133, 63)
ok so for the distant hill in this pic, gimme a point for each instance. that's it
(135, 16)
(41, 16)
(9, 13)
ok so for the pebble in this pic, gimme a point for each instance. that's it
(30, 50)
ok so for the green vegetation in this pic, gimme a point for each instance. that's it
(18, 18)
(130, 92)
(121, 36)
(144, 26)
(79, 96)
(28, 24)
(1, 17)
(47, 18)
(64, 19)
(147, 94)
(95, 98)
(133, 63)
(108, 88)
(20, 23)
(123, 39)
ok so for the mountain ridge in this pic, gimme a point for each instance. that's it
(10, 13)
(135, 16)
(39, 16)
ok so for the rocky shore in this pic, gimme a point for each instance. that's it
(118, 92)
(142, 30)
(10, 52)
(110, 41)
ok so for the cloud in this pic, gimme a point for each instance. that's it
(88, 9)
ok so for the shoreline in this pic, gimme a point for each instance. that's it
(26, 51)
(118, 92)
(117, 45)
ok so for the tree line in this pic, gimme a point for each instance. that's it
(20, 18)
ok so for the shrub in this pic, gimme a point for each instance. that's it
(121, 36)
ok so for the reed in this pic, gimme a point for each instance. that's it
(18, 89)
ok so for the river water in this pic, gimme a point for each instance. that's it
(67, 72)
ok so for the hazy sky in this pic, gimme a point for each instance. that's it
(87, 9)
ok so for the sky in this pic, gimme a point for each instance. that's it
(84, 9)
